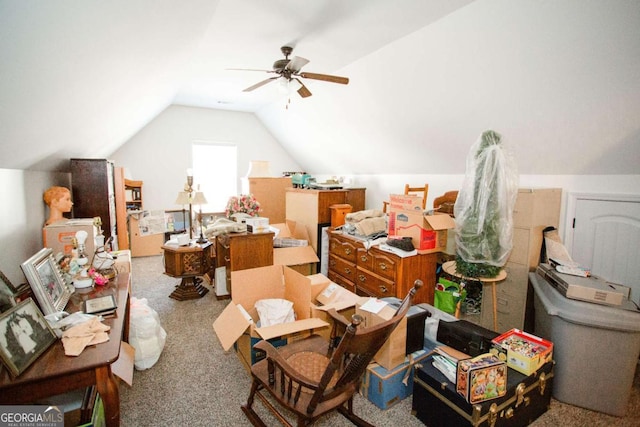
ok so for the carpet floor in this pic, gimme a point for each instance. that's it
(196, 383)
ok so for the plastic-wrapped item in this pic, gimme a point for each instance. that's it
(484, 207)
(146, 335)
(274, 311)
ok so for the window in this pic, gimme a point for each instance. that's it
(215, 172)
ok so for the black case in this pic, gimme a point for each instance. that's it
(436, 402)
(465, 336)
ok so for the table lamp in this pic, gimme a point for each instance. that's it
(199, 199)
(82, 278)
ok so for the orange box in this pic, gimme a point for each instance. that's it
(428, 232)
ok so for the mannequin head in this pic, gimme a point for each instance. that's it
(59, 201)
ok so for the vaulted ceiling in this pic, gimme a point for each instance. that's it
(559, 80)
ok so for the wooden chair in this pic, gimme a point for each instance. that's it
(416, 191)
(312, 377)
(446, 202)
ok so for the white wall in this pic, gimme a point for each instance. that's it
(22, 215)
(160, 153)
(380, 186)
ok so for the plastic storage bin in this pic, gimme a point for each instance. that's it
(596, 348)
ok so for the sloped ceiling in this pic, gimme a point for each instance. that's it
(559, 80)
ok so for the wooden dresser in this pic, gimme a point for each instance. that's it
(373, 272)
(240, 251)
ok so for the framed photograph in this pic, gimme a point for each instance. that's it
(45, 278)
(7, 293)
(24, 336)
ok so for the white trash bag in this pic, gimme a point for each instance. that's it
(146, 335)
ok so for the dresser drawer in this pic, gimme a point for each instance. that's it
(375, 285)
(384, 265)
(342, 267)
(346, 250)
(364, 260)
(336, 278)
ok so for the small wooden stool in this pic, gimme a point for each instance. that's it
(338, 212)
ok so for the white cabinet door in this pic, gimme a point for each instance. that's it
(606, 238)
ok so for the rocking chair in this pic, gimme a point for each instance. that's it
(312, 377)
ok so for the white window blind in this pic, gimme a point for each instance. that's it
(215, 173)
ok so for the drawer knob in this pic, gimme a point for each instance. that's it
(363, 258)
(383, 289)
(332, 263)
(347, 251)
(383, 266)
(362, 278)
(347, 270)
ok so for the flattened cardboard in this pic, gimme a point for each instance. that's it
(294, 256)
(303, 256)
(274, 331)
(393, 352)
(123, 367)
(230, 325)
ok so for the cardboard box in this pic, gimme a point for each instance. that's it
(393, 352)
(257, 225)
(59, 236)
(384, 387)
(524, 352)
(122, 260)
(481, 378)
(238, 321)
(298, 255)
(428, 232)
(326, 295)
(405, 202)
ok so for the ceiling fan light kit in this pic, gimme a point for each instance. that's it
(290, 69)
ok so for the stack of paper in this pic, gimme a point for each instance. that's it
(446, 361)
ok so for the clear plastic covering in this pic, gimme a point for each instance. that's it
(484, 207)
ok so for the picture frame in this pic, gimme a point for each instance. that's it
(24, 336)
(7, 293)
(46, 281)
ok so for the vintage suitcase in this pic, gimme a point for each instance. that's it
(436, 402)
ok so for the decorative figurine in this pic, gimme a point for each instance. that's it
(59, 201)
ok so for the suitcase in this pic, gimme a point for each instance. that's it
(436, 402)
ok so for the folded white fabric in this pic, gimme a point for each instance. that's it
(91, 332)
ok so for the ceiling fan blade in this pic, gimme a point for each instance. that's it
(325, 77)
(303, 91)
(296, 64)
(249, 69)
(262, 83)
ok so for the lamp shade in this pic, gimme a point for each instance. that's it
(199, 199)
(258, 168)
(183, 198)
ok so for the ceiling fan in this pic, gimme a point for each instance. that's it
(290, 69)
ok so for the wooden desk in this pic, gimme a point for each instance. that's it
(55, 373)
(187, 263)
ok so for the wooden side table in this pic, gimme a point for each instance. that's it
(188, 263)
(450, 268)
